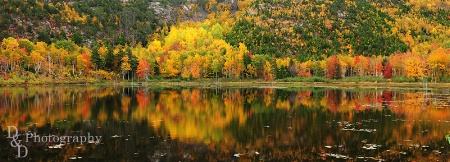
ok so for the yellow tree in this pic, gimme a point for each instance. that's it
(10, 43)
(36, 61)
(81, 64)
(364, 65)
(10, 47)
(228, 67)
(414, 66)
(52, 57)
(251, 71)
(171, 67)
(302, 70)
(323, 65)
(233, 65)
(438, 62)
(196, 66)
(205, 65)
(185, 71)
(102, 51)
(396, 61)
(268, 75)
(155, 46)
(348, 64)
(307, 68)
(125, 67)
(217, 63)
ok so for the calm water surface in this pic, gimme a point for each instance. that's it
(229, 124)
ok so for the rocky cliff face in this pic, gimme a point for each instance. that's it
(163, 12)
(189, 11)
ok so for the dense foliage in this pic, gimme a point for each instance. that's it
(246, 39)
(318, 29)
(82, 21)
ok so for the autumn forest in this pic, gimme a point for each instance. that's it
(281, 40)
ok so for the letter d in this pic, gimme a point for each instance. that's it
(18, 151)
(9, 131)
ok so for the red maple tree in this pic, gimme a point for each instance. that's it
(387, 70)
(334, 68)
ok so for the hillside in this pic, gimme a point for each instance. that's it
(225, 38)
(316, 30)
(81, 21)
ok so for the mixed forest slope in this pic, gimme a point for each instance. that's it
(226, 38)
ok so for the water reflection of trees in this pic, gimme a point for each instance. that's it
(287, 123)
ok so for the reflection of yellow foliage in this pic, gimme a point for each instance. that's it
(198, 115)
(125, 101)
(285, 105)
(268, 96)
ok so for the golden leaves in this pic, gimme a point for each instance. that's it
(268, 74)
(414, 66)
(439, 59)
(125, 66)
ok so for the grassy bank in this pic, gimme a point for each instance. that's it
(286, 82)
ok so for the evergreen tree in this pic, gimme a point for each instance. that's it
(95, 57)
(133, 60)
(109, 58)
(77, 38)
(118, 58)
(156, 68)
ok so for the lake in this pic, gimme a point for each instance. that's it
(226, 124)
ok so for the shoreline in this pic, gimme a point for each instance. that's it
(242, 83)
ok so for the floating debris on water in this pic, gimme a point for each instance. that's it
(116, 136)
(337, 156)
(370, 146)
(373, 158)
(359, 130)
(370, 120)
(58, 146)
(416, 145)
